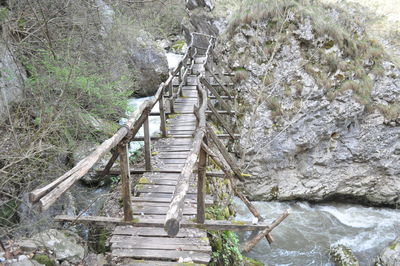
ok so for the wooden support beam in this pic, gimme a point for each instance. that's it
(147, 145)
(224, 88)
(125, 178)
(224, 152)
(163, 127)
(221, 120)
(251, 243)
(216, 94)
(138, 221)
(201, 187)
(109, 164)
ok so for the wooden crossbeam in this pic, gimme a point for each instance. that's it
(221, 120)
(139, 221)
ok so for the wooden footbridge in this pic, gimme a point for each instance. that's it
(164, 222)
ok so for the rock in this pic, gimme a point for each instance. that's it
(390, 256)
(202, 22)
(64, 245)
(193, 4)
(150, 63)
(11, 81)
(300, 143)
(343, 256)
(95, 260)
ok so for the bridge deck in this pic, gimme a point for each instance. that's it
(151, 245)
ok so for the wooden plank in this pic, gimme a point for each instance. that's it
(173, 161)
(151, 225)
(143, 244)
(143, 210)
(160, 189)
(156, 231)
(126, 184)
(172, 154)
(160, 245)
(165, 240)
(174, 255)
(209, 199)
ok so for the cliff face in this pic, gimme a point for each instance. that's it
(320, 102)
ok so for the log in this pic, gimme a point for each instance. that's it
(147, 145)
(225, 89)
(229, 175)
(216, 94)
(228, 158)
(133, 125)
(221, 120)
(251, 243)
(163, 127)
(174, 214)
(125, 180)
(201, 187)
(143, 221)
(109, 164)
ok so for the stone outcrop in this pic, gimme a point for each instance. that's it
(11, 81)
(308, 137)
(343, 256)
(390, 256)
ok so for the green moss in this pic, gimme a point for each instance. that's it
(274, 192)
(238, 222)
(44, 259)
(144, 180)
(251, 262)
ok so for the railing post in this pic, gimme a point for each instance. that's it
(163, 127)
(147, 144)
(201, 186)
(125, 180)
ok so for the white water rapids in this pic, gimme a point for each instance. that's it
(305, 236)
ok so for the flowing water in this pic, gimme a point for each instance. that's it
(305, 236)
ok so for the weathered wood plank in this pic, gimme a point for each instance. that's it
(164, 240)
(160, 189)
(142, 244)
(147, 145)
(196, 257)
(156, 231)
(143, 210)
(154, 198)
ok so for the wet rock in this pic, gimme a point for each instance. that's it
(95, 260)
(390, 256)
(64, 245)
(11, 81)
(343, 256)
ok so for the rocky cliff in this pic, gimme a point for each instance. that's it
(320, 104)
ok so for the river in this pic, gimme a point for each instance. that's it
(305, 236)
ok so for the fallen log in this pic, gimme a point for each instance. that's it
(246, 247)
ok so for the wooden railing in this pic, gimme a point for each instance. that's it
(118, 143)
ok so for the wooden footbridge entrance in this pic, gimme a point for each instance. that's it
(164, 221)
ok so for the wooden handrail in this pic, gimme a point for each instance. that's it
(48, 194)
(175, 211)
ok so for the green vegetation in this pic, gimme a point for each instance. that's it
(225, 248)
(343, 59)
(44, 259)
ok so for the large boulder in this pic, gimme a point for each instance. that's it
(11, 81)
(64, 245)
(149, 62)
(390, 256)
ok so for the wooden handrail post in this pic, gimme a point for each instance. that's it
(125, 180)
(163, 127)
(147, 144)
(201, 186)
(180, 74)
